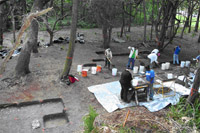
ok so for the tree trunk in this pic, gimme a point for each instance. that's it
(152, 18)
(105, 36)
(123, 20)
(130, 21)
(199, 39)
(195, 88)
(197, 22)
(22, 67)
(145, 20)
(191, 11)
(13, 23)
(187, 19)
(70, 52)
(62, 11)
(1, 24)
(23, 3)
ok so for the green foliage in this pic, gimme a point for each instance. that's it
(1, 47)
(83, 24)
(89, 119)
(182, 110)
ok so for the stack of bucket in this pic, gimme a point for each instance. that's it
(165, 66)
(185, 64)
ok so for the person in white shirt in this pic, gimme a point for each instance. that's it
(153, 58)
(132, 56)
(108, 57)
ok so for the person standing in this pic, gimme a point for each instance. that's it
(177, 50)
(132, 56)
(127, 90)
(108, 57)
(150, 78)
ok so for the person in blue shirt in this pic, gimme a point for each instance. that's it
(150, 77)
(176, 53)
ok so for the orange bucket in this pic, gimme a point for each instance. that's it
(98, 68)
(84, 73)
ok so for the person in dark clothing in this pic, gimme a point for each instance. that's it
(126, 85)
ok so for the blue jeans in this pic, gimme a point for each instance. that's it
(175, 58)
(130, 60)
(151, 91)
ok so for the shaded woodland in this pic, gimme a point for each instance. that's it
(167, 19)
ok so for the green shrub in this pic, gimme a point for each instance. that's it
(89, 119)
(83, 24)
(182, 110)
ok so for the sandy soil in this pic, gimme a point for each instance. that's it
(46, 66)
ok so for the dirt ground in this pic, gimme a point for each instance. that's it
(46, 66)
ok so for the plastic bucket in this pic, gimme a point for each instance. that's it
(169, 75)
(135, 69)
(163, 66)
(79, 68)
(187, 63)
(114, 71)
(141, 69)
(84, 73)
(98, 68)
(94, 70)
(182, 64)
(167, 65)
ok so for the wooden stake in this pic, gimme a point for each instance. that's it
(126, 118)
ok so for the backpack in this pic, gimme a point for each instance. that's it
(72, 79)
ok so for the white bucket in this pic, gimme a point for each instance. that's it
(167, 65)
(182, 64)
(94, 70)
(79, 68)
(163, 66)
(169, 75)
(135, 69)
(114, 71)
(187, 63)
(141, 69)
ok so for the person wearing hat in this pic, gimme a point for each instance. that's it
(132, 56)
(108, 57)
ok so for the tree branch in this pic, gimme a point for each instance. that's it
(26, 24)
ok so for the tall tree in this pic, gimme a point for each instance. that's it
(22, 67)
(106, 12)
(197, 22)
(1, 22)
(70, 52)
(145, 20)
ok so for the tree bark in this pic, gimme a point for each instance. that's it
(195, 88)
(130, 20)
(1, 24)
(123, 20)
(70, 52)
(152, 18)
(13, 22)
(105, 36)
(145, 20)
(187, 19)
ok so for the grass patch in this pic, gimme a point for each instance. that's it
(182, 110)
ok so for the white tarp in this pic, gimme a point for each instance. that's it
(108, 95)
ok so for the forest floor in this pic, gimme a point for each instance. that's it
(46, 66)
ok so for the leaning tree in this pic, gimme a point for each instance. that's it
(22, 67)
